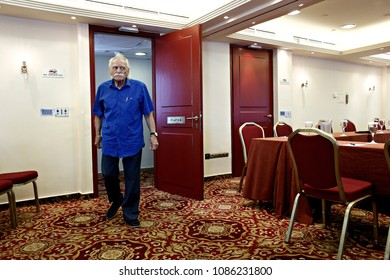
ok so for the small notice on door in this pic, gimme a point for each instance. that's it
(176, 120)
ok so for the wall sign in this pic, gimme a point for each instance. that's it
(52, 73)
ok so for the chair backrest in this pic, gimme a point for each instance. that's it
(350, 126)
(248, 131)
(315, 158)
(282, 129)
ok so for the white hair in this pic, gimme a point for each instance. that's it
(118, 56)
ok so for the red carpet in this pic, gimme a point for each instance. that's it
(223, 226)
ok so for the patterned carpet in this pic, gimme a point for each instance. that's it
(223, 226)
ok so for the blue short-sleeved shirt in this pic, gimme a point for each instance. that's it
(121, 111)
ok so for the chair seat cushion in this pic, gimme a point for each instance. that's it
(353, 189)
(5, 185)
(19, 177)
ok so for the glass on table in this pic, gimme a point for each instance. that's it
(381, 123)
(308, 124)
(343, 125)
(373, 127)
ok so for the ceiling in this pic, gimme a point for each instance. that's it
(316, 31)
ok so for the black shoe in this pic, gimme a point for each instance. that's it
(133, 223)
(111, 212)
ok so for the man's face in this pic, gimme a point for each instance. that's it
(119, 70)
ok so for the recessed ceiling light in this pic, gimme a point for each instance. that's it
(348, 26)
(293, 13)
(140, 53)
(225, 17)
(73, 17)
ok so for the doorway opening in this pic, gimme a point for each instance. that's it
(138, 50)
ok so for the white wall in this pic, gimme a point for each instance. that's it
(327, 77)
(216, 107)
(58, 148)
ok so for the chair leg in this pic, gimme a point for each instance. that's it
(37, 206)
(12, 208)
(387, 248)
(375, 221)
(344, 230)
(292, 218)
(242, 178)
(346, 221)
(324, 220)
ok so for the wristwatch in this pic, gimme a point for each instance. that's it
(153, 133)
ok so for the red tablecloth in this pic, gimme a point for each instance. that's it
(269, 175)
(352, 136)
(379, 137)
(382, 137)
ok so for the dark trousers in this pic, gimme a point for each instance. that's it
(132, 171)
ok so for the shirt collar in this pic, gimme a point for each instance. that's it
(127, 83)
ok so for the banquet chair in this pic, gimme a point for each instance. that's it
(387, 156)
(315, 157)
(350, 126)
(282, 129)
(6, 188)
(22, 178)
(247, 132)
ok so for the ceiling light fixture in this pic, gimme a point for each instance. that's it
(140, 53)
(293, 13)
(255, 46)
(348, 26)
(225, 17)
(128, 29)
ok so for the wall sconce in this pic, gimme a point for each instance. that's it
(24, 70)
(305, 84)
(371, 89)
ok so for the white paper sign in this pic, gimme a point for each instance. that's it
(52, 73)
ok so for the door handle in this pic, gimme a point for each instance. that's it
(269, 116)
(196, 118)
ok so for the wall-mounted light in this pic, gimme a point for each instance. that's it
(371, 89)
(305, 84)
(23, 69)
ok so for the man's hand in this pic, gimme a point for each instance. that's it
(98, 141)
(153, 143)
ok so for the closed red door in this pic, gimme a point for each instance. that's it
(252, 98)
(178, 71)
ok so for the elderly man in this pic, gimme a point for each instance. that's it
(119, 106)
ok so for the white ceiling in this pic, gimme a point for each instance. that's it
(315, 31)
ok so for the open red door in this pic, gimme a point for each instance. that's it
(179, 158)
